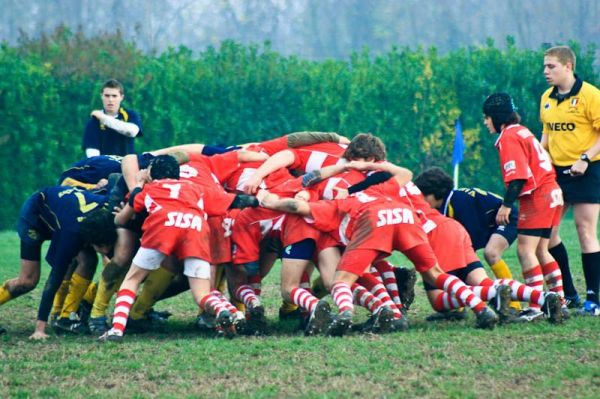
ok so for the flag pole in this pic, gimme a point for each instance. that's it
(458, 150)
(455, 176)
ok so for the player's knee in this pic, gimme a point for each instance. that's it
(491, 255)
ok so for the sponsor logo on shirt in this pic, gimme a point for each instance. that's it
(184, 220)
(510, 166)
(561, 127)
(394, 216)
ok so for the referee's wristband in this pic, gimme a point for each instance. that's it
(132, 195)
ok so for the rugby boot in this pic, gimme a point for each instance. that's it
(552, 308)
(501, 303)
(66, 325)
(319, 319)
(224, 325)
(383, 320)
(406, 279)
(449, 315)
(340, 324)
(531, 314)
(400, 324)
(98, 325)
(111, 335)
(589, 308)
(487, 319)
(257, 322)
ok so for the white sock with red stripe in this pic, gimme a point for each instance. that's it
(386, 270)
(444, 301)
(246, 294)
(376, 288)
(212, 304)
(364, 298)
(256, 283)
(342, 296)
(485, 290)
(304, 299)
(228, 305)
(553, 278)
(457, 288)
(522, 292)
(125, 299)
(534, 278)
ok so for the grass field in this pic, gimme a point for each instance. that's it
(444, 359)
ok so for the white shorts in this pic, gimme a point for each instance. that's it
(148, 259)
(196, 268)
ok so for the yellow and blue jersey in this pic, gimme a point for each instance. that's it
(476, 210)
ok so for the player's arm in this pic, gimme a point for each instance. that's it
(188, 148)
(127, 212)
(318, 175)
(127, 129)
(130, 167)
(402, 175)
(282, 159)
(513, 190)
(580, 166)
(299, 139)
(288, 205)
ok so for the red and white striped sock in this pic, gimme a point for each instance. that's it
(246, 294)
(212, 304)
(522, 292)
(364, 298)
(376, 288)
(304, 299)
(386, 270)
(553, 278)
(305, 282)
(228, 305)
(444, 301)
(342, 296)
(256, 283)
(124, 301)
(485, 290)
(457, 288)
(534, 278)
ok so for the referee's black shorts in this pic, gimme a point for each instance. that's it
(583, 189)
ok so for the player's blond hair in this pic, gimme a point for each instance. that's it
(564, 54)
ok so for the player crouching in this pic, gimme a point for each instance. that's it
(176, 225)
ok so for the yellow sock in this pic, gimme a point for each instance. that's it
(5, 295)
(220, 280)
(90, 294)
(77, 289)
(287, 307)
(501, 270)
(155, 285)
(59, 297)
(110, 280)
(239, 305)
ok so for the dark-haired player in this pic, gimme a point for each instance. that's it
(476, 210)
(529, 177)
(58, 214)
(175, 225)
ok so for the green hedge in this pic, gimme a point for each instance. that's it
(237, 94)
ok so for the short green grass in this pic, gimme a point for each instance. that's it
(430, 360)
